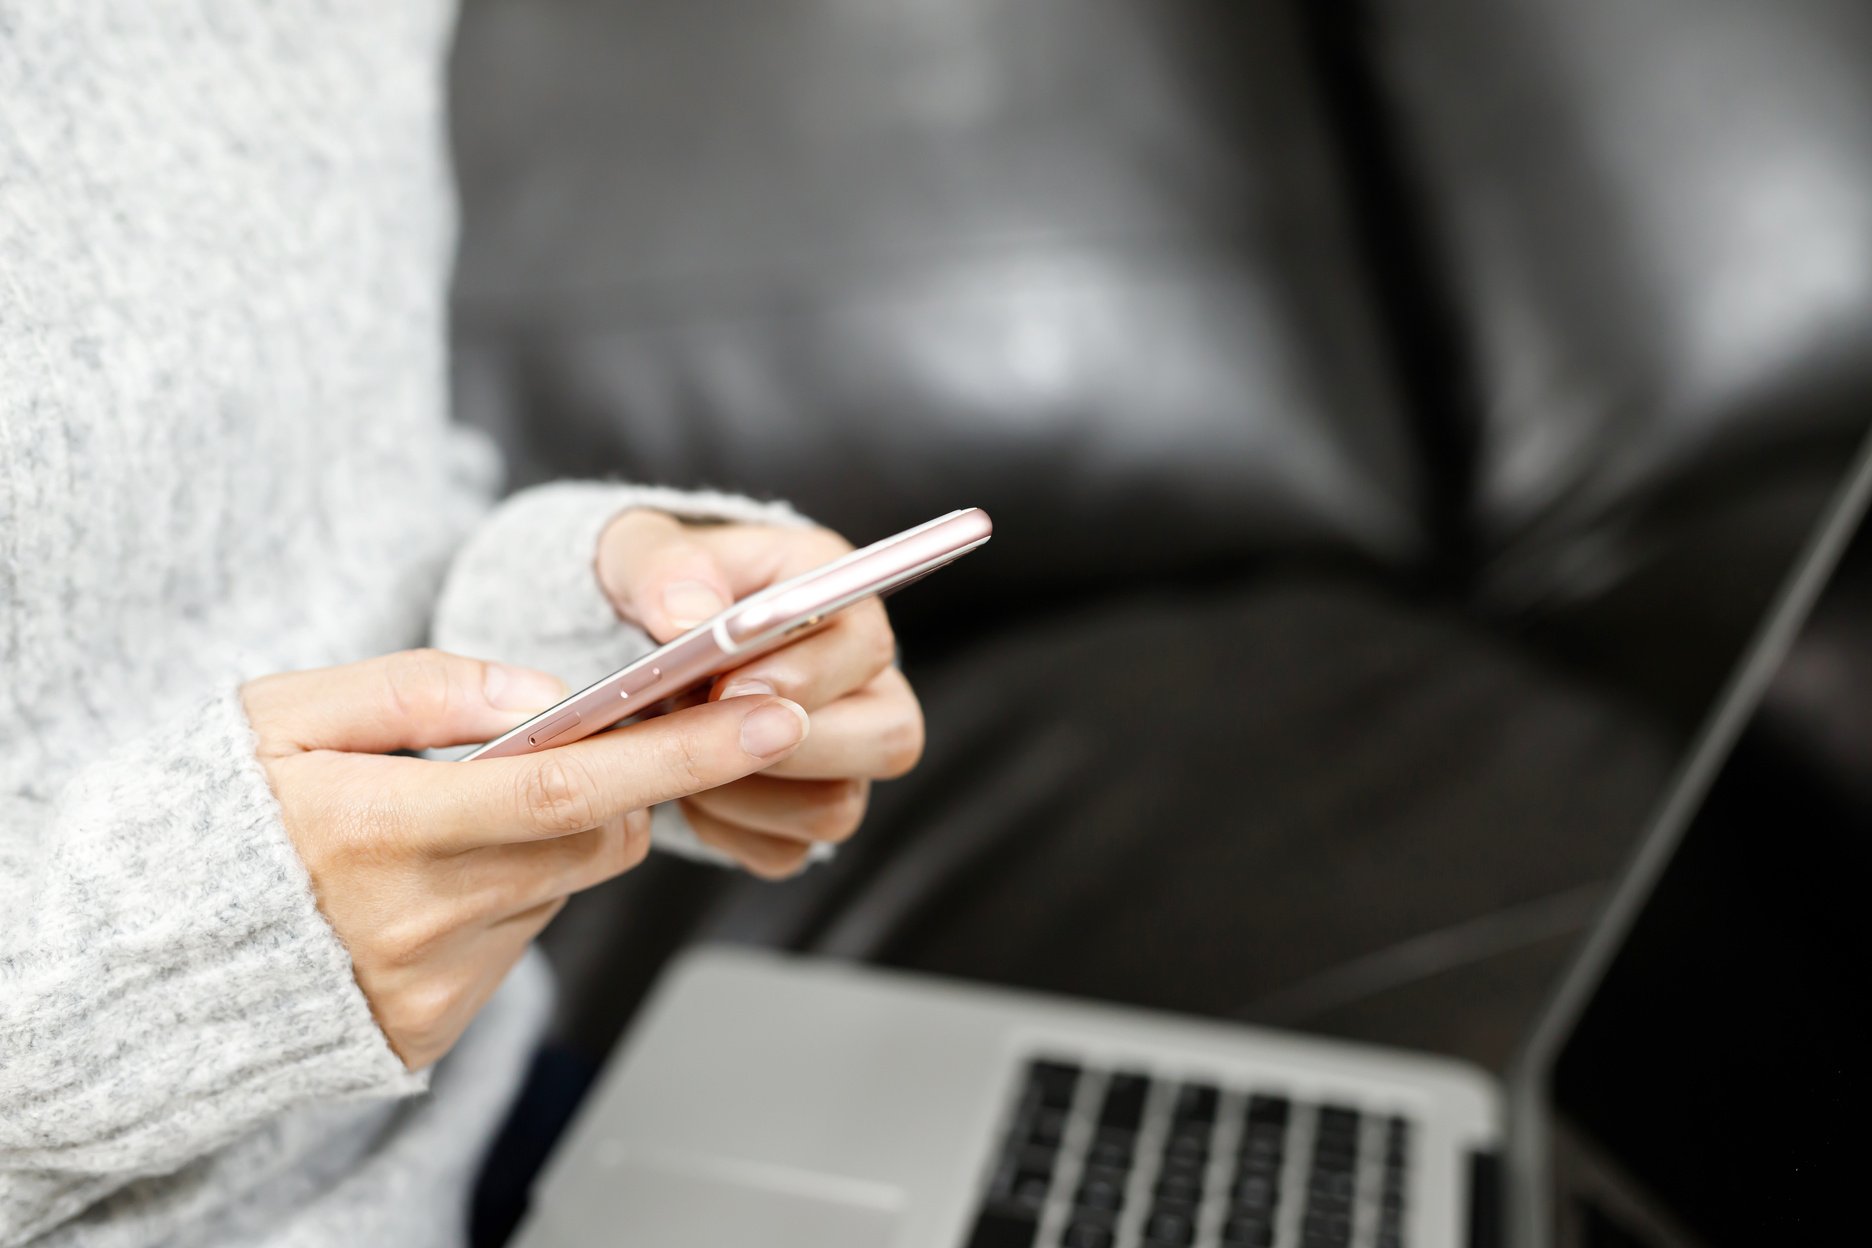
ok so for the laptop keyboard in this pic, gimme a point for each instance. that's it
(1122, 1159)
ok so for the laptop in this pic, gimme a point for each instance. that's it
(1698, 1079)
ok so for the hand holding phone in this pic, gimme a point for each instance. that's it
(756, 625)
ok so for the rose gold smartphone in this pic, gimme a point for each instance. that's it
(757, 624)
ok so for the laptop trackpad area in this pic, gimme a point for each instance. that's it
(706, 1202)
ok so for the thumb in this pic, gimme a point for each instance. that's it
(658, 576)
(411, 700)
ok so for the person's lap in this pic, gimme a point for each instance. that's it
(1297, 803)
(1226, 805)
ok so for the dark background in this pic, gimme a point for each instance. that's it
(1396, 415)
(1717, 1073)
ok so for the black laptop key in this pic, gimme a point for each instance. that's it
(1102, 1188)
(1030, 1192)
(1114, 1148)
(1196, 1102)
(1322, 1210)
(1170, 1227)
(1260, 1158)
(1335, 1227)
(1248, 1232)
(1267, 1166)
(1338, 1120)
(1055, 1083)
(1087, 1235)
(1331, 1185)
(1046, 1129)
(1334, 1152)
(1274, 1110)
(1264, 1137)
(1034, 1157)
(1179, 1188)
(1187, 1147)
(1185, 1170)
(1023, 1169)
(1004, 1230)
(1125, 1095)
(1019, 1189)
(1256, 1191)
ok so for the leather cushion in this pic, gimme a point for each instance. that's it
(1652, 224)
(1081, 262)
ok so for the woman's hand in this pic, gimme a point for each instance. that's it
(436, 875)
(668, 576)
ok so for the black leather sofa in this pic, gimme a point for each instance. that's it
(1395, 414)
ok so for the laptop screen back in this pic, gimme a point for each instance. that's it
(1707, 1083)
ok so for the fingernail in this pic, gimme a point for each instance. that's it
(773, 728)
(520, 688)
(688, 603)
(746, 689)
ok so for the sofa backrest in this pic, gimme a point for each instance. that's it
(1647, 229)
(1571, 299)
(1085, 263)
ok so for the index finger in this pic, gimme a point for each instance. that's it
(570, 788)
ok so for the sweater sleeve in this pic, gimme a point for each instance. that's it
(167, 981)
(524, 589)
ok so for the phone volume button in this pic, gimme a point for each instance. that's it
(639, 682)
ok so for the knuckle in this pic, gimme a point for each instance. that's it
(880, 642)
(839, 815)
(421, 1015)
(555, 797)
(419, 683)
(408, 941)
(548, 910)
(635, 840)
(613, 851)
(901, 747)
(514, 892)
(685, 761)
(634, 540)
(261, 699)
(828, 543)
(776, 860)
(347, 825)
(639, 524)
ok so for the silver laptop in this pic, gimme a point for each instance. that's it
(1700, 1078)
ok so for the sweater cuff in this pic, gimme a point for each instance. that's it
(524, 588)
(174, 909)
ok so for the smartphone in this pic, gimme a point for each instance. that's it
(750, 628)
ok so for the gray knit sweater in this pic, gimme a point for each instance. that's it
(225, 228)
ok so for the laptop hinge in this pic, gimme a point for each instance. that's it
(1485, 1200)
